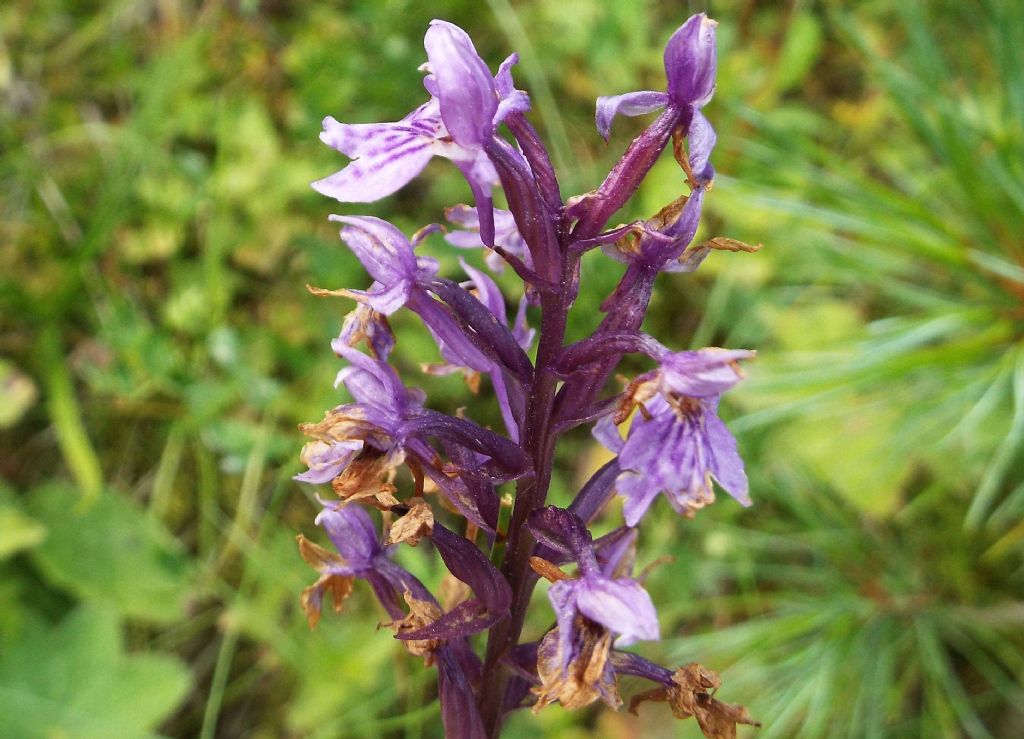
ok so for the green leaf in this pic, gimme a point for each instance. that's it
(111, 551)
(18, 531)
(74, 680)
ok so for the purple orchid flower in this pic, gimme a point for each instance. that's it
(361, 555)
(390, 419)
(601, 602)
(677, 445)
(506, 236)
(466, 106)
(690, 71)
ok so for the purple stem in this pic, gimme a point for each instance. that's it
(531, 189)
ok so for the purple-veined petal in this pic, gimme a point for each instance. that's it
(690, 62)
(388, 257)
(353, 534)
(606, 432)
(725, 463)
(384, 300)
(503, 83)
(379, 174)
(701, 141)
(622, 606)
(465, 88)
(638, 494)
(703, 373)
(629, 104)
(562, 595)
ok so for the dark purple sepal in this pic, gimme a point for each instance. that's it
(560, 530)
(505, 454)
(478, 485)
(593, 349)
(589, 414)
(596, 493)
(459, 711)
(496, 338)
(535, 221)
(627, 663)
(468, 564)
(537, 156)
(464, 499)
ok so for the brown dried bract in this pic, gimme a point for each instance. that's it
(587, 677)
(344, 423)
(414, 525)
(368, 479)
(548, 570)
(693, 695)
(339, 586)
(421, 613)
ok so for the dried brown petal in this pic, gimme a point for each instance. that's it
(421, 613)
(368, 479)
(692, 695)
(453, 591)
(339, 586)
(341, 425)
(586, 678)
(414, 525)
(316, 556)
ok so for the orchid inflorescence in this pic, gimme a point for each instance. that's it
(675, 445)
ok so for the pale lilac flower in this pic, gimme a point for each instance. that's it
(403, 279)
(466, 106)
(602, 601)
(677, 444)
(620, 604)
(506, 235)
(690, 71)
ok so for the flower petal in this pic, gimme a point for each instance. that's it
(701, 139)
(465, 88)
(353, 534)
(725, 463)
(378, 174)
(622, 606)
(690, 62)
(630, 104)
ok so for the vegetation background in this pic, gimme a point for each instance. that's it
(157, 350)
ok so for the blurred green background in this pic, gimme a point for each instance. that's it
(157, 349)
